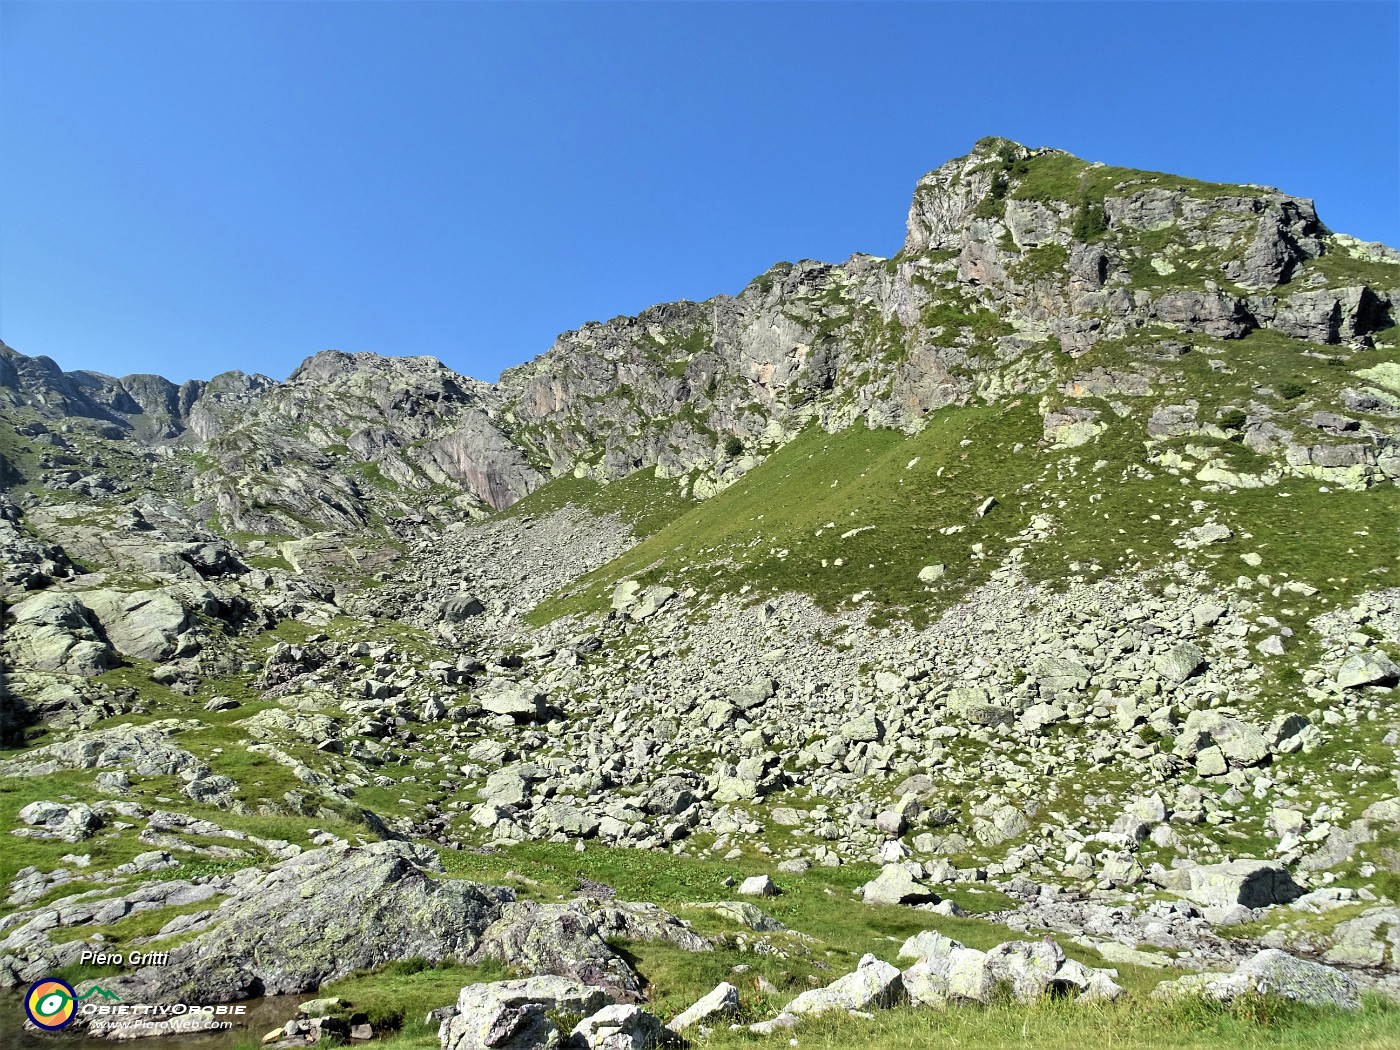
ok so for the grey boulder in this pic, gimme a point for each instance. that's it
(872, 984)
(896, 884)
(514, 1015)
(1247, 883)
(723, 1002)
(1270, 972)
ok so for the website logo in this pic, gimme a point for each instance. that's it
(52, 1004)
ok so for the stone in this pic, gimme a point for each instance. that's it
(888, 682)
(513, 1015)
(621, 1026)
(461, 607)
(1369, 668)
(969, 979)
(897, 885)
(1241, 744)
(143, 750)
(56, 632)
(523, 703)
(142, 624)
(571, 940)
(746, 914)
(1180, 662)
(650, 601)
(1270, 972)
(930, 944)
(873, 984)
(320, 1007)
(930, 573)
(1250, 883)
(320, 916)
(1038, 716)
(1028, 966)
(71, 822)
(722, 1003)
(757, 886)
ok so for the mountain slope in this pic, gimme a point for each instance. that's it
(1050, 565)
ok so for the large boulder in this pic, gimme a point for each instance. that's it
(1247, 883)
(1270, 972)
(514, 1015)
(55, 632)
(1372, 668)
(523, 703)
(1239, 743)
(617, 1027)
(318, 917)
(70, 821)
(873, 984)
(1179, 663)
(721, 1003)
(140, 624)
(896, 884)
(559, 939)
(461, 607)
(1029, 967)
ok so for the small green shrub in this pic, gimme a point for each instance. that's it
(1090, 219)
(733, 446)
(1291, 389)
(1231, 419)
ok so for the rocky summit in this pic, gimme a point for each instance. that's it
(895, 641)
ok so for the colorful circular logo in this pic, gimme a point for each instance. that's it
(51, 1004)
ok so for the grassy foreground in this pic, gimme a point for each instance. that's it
(1130, 1023)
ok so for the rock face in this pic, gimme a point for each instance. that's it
(1271, 972)
(320, 916)
(713, 387)
(56, 632)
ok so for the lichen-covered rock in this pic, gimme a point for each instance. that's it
(319, 916)
(621, 1026)
(872, 984)
(558, 939)
(1248, 883)
(143, 750)
(896, 884)
(56, 632)
(723, 1002)
(143, 624)
(1270, 972)
(514, 1015)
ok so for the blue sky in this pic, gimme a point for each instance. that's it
(190, 188)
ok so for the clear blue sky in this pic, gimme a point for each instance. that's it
(189, 188)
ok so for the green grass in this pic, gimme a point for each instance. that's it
(642, 500)
(398, 996)
(1341, 268)
(1062, 177)
(1130, 1023)
(819, 486)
